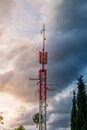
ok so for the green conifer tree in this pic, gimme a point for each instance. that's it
(81, 116)
(73, 112)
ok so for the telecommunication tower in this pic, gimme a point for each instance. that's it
(43, 85)
(40, 118)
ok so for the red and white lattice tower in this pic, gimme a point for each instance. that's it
(42, 85)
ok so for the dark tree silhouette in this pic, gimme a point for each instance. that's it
(73, 112)
(81, 116)
(79, 107)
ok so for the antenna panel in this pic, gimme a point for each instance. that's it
(43, 57)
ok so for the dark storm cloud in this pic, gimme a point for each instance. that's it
(70, 15)
(67, 47)
(59, 117)
(63, 106)
(69, 59)
(60, 121)
(68, 43)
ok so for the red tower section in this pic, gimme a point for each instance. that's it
(43, 85)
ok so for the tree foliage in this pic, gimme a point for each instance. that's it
(20, 128)
(1, 119)
(73, 112)
(79, 107)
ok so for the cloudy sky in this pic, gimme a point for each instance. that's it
(21, 22)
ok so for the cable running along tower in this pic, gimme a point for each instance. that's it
(42, 85)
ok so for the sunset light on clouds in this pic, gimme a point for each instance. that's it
(21, 22)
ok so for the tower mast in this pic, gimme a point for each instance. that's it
(42, 85)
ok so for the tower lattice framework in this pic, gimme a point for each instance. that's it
(43, 85)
